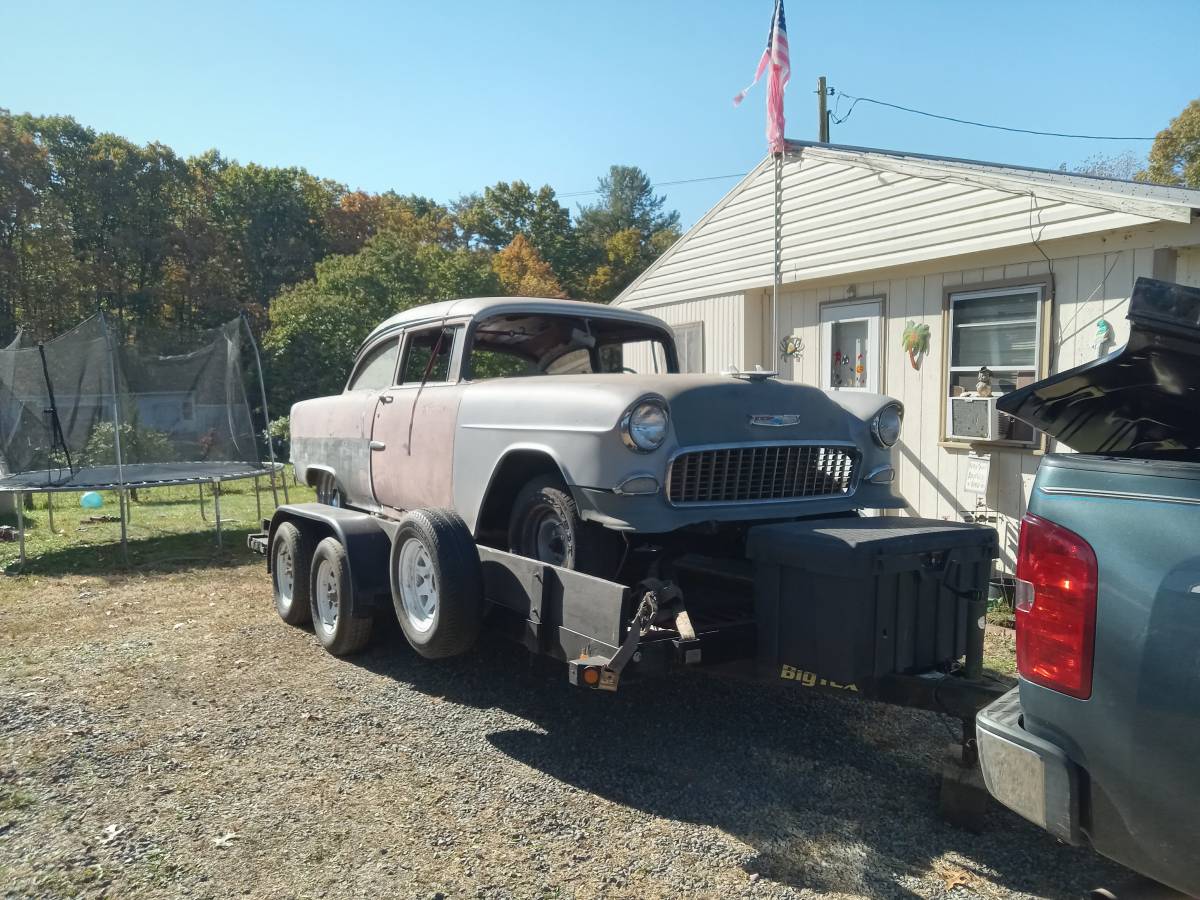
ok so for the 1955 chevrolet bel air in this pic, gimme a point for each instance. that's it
(563, 431)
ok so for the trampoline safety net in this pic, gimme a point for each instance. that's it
(85, 410)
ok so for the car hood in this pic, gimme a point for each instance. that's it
(1142, 398)
(704, 408)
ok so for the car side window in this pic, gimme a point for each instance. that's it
(377, 368)
(428, 355)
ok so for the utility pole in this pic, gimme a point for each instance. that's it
(822, 112)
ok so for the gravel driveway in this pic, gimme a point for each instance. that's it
(166, 735)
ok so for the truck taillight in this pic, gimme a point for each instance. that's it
(1056, 607)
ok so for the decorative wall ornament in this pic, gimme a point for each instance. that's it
(1104, 337)
(792, 347)
(915, 341)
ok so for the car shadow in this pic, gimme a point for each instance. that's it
(815, 784)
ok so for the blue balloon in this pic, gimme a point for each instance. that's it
(91, 500)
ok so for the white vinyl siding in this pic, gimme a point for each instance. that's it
(842, 217)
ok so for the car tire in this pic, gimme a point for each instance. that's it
(291, 557)
(545, 525)
(437, 583)
(334, 618)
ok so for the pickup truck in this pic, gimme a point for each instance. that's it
(1100, 741)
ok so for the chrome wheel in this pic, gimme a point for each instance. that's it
(327, 596)
(418, 585)
(284, 567)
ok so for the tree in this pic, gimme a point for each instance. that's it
(626, 230)
(507, 209)
(523, 273)
(1175, 156)
(317, 325)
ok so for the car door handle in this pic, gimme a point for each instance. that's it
(386, 398)
(378, 445)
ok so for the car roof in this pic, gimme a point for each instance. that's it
(481, 307)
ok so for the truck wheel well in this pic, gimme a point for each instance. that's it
(514, 470)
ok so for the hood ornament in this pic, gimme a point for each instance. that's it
(774, 421)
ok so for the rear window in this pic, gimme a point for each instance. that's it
(377, 367)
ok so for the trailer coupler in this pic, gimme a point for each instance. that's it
(604, 674)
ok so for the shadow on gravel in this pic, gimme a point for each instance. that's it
(832, 794)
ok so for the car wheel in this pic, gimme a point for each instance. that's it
(437, 583)
(339, 630)
(291, 555)
(329, 491)
(545, 525)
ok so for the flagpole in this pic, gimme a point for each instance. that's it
(775, 359)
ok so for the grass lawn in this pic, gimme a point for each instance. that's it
(166, 529)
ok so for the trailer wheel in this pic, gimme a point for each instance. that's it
(545, 525)
(437, 583)
(291, 555)
(339, 630)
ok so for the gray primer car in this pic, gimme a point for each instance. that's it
(552, 427)
(1100, 741)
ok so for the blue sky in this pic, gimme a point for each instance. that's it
(444, 98)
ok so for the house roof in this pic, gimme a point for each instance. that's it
(919, 203)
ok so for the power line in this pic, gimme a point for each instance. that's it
(921, 112)
(662, 184)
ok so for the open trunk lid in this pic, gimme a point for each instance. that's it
(1143, 398)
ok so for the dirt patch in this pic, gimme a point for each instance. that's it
(164, 735)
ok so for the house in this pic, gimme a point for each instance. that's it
(1020, 271)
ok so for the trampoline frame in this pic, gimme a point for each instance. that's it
(123, 486)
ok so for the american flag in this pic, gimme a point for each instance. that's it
(776, 55)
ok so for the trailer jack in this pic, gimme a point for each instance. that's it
(660, 600)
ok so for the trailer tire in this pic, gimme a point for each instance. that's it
(437, 583)
(545, 525)
(334, 618)
(291, 558)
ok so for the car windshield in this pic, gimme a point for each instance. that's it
(518, 345)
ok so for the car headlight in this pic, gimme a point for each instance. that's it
(885, 427)
(644, 425)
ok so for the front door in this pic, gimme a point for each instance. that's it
(412, 439)
(851, 350)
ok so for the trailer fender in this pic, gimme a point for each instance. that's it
(366, 538)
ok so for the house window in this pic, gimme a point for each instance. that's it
(689, 342)
(996, 336)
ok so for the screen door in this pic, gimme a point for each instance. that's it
(851, 353)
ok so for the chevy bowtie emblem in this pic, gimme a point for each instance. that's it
(776, 421)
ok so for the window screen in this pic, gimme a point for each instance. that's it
(377, 367)
(997, 330)
(689, 340)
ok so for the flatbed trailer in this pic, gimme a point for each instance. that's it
(888, 609)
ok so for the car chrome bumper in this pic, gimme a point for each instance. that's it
(1029, 775)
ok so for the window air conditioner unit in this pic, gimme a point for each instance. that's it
(973, 419)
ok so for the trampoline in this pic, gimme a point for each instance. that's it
(89, 412)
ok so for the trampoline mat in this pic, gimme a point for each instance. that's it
(134, 475)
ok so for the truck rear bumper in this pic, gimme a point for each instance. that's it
(1029, 775)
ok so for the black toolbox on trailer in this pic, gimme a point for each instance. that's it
(850, 600)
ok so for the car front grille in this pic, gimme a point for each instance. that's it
(761, 473)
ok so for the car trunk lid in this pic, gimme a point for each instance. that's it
(1141, 399)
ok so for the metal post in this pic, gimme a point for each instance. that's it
(112, 366)
(262, 387)
(822, 111)
(257, 504)
(21, 527)
(121, 507)
(775, 351)
(200, 488)
(216, 492)
(50, 509)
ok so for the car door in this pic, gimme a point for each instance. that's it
(412, 439)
